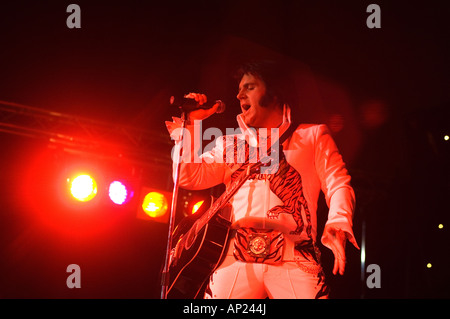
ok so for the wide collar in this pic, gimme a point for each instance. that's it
(251, 132)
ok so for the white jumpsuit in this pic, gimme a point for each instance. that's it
(285, 203)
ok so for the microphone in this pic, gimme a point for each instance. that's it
(188, 105)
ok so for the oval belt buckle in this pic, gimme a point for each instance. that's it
(258, 245)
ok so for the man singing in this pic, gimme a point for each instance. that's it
(272, 251)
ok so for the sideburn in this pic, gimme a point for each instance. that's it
(268, 99)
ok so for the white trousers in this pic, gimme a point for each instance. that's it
(241, 280)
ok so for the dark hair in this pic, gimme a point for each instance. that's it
(277, 77)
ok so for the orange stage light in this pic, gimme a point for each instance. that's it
(83, 187)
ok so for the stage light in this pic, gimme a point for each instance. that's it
(83, 188)
(197, 206)
(446, 137)
(118, 192)
(440, 226)
(429, 265)
(155, 204)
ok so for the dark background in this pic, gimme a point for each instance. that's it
(383, 92)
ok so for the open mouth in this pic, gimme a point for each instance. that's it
(245, 107)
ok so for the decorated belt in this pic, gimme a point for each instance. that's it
(258, 245)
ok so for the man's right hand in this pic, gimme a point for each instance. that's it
(200, 114)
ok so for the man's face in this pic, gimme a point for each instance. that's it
(252, 91)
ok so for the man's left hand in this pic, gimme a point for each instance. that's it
(335, 239)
